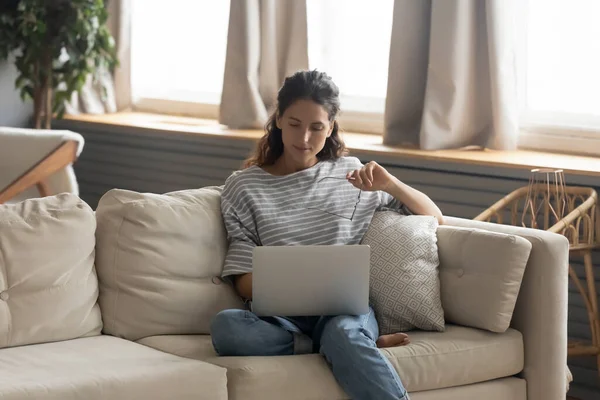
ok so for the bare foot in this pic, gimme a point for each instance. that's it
(393, 340)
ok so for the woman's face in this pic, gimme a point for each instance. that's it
(305, 126)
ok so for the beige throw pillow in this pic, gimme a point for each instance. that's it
(404, 282)
(159, 258)
(48, 285)
(481, 274)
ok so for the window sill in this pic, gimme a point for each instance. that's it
(365, 144)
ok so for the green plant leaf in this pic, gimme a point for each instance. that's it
(26, 93)
(37, 34)
(20, 81)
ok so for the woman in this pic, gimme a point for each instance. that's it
(298, 189)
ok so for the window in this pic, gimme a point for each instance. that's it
(559, 74)
(172, 68)
(350, 40)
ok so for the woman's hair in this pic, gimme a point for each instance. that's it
(303, 85)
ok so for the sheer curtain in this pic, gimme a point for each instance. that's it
(452, 75)
(266, 42)
(120, 26)
(110, 93)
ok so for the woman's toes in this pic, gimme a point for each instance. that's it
(393, 340)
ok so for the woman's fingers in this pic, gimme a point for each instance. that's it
(357, 179)
(370, 167)
(365, 177)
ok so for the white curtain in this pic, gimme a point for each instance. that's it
(110, 93)
(266, 42)
(452, 78)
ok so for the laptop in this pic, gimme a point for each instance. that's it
(310, 280)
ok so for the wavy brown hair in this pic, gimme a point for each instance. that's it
(303, 85)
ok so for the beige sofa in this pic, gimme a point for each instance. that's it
(117, 305)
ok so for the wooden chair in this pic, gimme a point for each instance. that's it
(59, 158)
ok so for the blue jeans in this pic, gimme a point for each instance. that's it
(347, 342)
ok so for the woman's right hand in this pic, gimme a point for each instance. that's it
(243, 285)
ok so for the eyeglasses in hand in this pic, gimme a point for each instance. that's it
(329, 198)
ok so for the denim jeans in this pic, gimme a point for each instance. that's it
(346, 342)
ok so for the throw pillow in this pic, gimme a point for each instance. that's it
(404, 282)
(480, 274)
(48, 284)
(159, 257)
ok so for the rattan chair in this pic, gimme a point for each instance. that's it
(536, 206)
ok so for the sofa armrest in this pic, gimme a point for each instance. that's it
(541, 310)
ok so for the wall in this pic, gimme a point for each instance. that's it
(161, 162)
(13, 112)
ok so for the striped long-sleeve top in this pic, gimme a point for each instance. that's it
(315, 206)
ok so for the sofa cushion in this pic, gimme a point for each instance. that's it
(198, 347)
(498, 389)
(105, 367)
(433, 360)
(48, 285)
(159, 258)
(480, 275)
(404, 287)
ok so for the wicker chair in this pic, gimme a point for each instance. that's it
(580, 224)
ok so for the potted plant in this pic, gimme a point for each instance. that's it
(56, 45)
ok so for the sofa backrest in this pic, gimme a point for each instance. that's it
(48, 285)
(159, 259)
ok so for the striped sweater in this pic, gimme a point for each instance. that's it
(315, 206)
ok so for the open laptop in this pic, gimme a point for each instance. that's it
(310, 280)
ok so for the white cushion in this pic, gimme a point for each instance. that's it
(198, 347)
(105, 367)
(48, 285)
(404, 287)
(497, 389)
(433, 360)
(159, 258)
(480, 274)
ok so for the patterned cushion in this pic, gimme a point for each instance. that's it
(404, 282)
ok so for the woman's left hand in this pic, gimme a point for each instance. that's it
(371, 177)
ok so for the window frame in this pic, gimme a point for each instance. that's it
(202, 110)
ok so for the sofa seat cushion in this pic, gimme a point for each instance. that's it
(105, 367)
(433, 360)
(198, 347)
